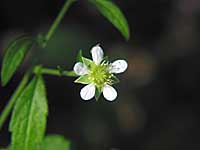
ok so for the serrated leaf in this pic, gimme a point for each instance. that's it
(55, 142)
(28, 120)
(14, 56)
(83, 80)
(113, 13)
(79, 56)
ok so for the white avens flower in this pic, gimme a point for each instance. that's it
(98, 75)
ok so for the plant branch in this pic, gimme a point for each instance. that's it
(58, 19)
(55, 72)
(13, 99)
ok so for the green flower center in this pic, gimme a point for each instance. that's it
(100, 74)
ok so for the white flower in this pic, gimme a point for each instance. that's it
(98, 75)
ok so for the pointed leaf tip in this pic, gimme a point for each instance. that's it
(14, 56)
(113, 13)
(79, 56)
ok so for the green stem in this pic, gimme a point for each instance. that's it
(13, 99)
(56, 72)
(58, 19)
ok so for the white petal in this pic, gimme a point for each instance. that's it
(97, 54)
(80, 69)
(88, 92)
(109, 93)
(118, 66)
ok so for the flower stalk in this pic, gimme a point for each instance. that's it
(57, 72)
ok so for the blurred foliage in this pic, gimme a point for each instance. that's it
(158, 106)
(55, 142)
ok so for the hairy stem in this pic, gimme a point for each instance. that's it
(10, 104)
(57, 72)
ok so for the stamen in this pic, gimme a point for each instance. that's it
(100, 74)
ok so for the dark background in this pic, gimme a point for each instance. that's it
(158, 103)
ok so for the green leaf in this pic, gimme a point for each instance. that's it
(14, 56)
(113, 13)
(83, 80)
(29, 116)
(115, 79)
(79, 56)
(55, 142)
(87, 62)
(98, 92)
